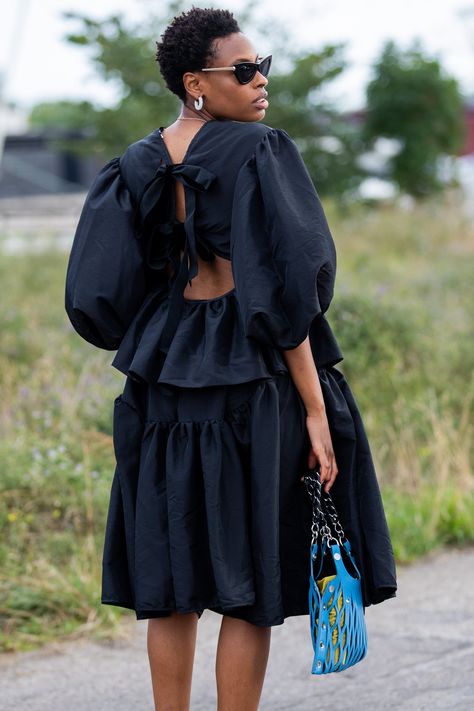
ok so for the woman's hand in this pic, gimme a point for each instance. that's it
(302, 367)
(321, 448)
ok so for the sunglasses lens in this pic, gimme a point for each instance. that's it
(265, 65)
(245, 72)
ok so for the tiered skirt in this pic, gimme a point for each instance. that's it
(207, 507)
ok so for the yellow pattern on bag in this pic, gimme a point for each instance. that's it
(322, 584)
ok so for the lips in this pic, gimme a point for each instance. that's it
(261, 102)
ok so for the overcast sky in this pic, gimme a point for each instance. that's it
(39, 65)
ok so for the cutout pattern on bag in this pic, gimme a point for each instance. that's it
(337, 615)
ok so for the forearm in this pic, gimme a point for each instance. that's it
(300, 363)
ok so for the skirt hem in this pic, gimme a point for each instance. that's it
(218, 609)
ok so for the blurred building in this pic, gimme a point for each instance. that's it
(37, 162)
(34, 163)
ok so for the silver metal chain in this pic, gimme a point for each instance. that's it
(324, 515)
(334, 518)
(313, 487)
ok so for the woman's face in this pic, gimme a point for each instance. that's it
(223, 96)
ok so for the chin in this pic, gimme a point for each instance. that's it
(255, 115)
(258, 114)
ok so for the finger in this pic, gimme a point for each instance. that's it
(329, 483)
(312, 461)
(325, 472)
(332, 479)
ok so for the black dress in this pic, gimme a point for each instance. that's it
(207, 509)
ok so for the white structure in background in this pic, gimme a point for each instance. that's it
(465, 175)
(378, 187)
(460, 168)
(377, 164)
(13, 122)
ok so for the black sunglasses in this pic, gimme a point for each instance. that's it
(245, 71)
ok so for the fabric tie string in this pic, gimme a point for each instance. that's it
(193, 177)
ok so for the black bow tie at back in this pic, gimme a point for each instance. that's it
(173, 232)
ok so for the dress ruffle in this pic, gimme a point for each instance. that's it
(209, 346)
(195, 536)
(207, 510)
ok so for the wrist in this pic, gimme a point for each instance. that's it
(316, 410)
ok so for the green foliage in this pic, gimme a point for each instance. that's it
(124, 56)
(411, 99)
(69, 115)
(57, 461)
(418, 527)
(403, 315)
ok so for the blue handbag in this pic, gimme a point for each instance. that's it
(337, 614)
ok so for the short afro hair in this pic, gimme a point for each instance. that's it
(186, 44)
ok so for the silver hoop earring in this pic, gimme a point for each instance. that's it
(198, 103)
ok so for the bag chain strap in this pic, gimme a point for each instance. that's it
(324, 517)
(334, 518)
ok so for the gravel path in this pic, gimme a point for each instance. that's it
(420, 656)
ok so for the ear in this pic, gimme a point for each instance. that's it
(193, 84)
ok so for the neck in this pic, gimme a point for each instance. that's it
(189, 113)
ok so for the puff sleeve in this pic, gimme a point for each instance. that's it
(105, 279)
(282, 251)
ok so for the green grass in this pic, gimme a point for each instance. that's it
(427, 520)
(402, 313)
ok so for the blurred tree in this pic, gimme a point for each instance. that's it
(125, 55)
(69, 115)
(410, 99)
(328, 142)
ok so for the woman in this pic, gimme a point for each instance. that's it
(204, 258)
